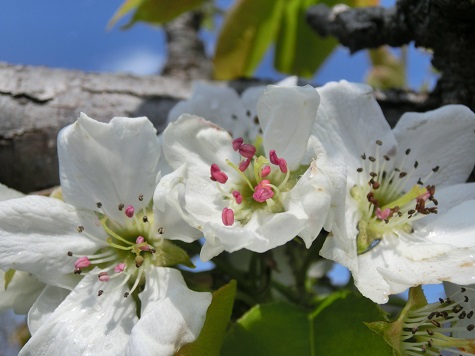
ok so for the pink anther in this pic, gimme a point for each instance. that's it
(82, 262)
(237, 142)
(227, 216)
(263, 191)
(104, 277)
(119, 268)
(247, 150)
(217, 175)
(273, 157)
(244, 164)
(129, 211)
(383, 214)
(265, 171)
(237, 196)
(141, 240)
(283, 165)
(424, 196)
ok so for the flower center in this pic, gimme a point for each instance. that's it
(386, 207)
(134, 244)
(260, 184)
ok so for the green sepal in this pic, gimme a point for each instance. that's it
(168, 254)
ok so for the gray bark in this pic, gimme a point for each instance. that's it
(36, 102)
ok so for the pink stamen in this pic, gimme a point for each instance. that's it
(217, 175)
(237, 143)
(244, 164)
(237, 196)
(383, 215)
(129, 211)
(119, 268)
(82, 262)
(265, 171)
(141, 240)
(273, 157)
(283, 165)
(104, 277)
(247, 150)
(263, 191)
(227, 216)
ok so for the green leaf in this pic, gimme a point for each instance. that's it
(249, 28)
(269, 329)
(211, 337)
(299, 50)
(339, 329)
(8, 276)
(335, 327)
(156, 12)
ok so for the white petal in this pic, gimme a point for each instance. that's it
(451, 290)
(8, 193)
(287, 115)
(44, 306)
(21, 293)
(36, 234)
(85, 324)
(172, 315)
(109, 163)
(216, 103)
(196, 141)
(443, 137)
(350, 118)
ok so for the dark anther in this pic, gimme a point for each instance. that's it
(463, 289)
(402, 174)
(441, 301)
(359, 170)
(465, 299)
(373, 174)
(430, 332)
(99, 204)
(234, 117)
(152, 250)
(80, 228)
(386, 158)
(160, 230)
(416, 164)
(429, 343)
(372, 159)
(141, 197)
(435, 169)
(70, 253)
(412, 211)
(126, 294)
(469, 315)
(379, 142)
(77, 271)
(435, 201)
(99, 293)
(121, 206)
(376, 185)
(256, 121)
(414, 330)
(145, 219)
(420, 182)
(462, 315)
(363, 156)
(457, 308)
(408, 151)
(470, 327)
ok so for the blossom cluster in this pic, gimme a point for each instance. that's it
(273, 165)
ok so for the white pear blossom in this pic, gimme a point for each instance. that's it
(409, 215)
(225, 107)
(255, 197)
(104, 253)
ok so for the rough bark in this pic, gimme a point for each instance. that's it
(186, 52)
(447, 27)
(36, 102)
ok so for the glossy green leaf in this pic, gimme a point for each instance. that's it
(8, 276)
(299, 50)
(157, 12)
(211, 337)
(249, 28)
(335, 327)
(339, 329)
(277, 329)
